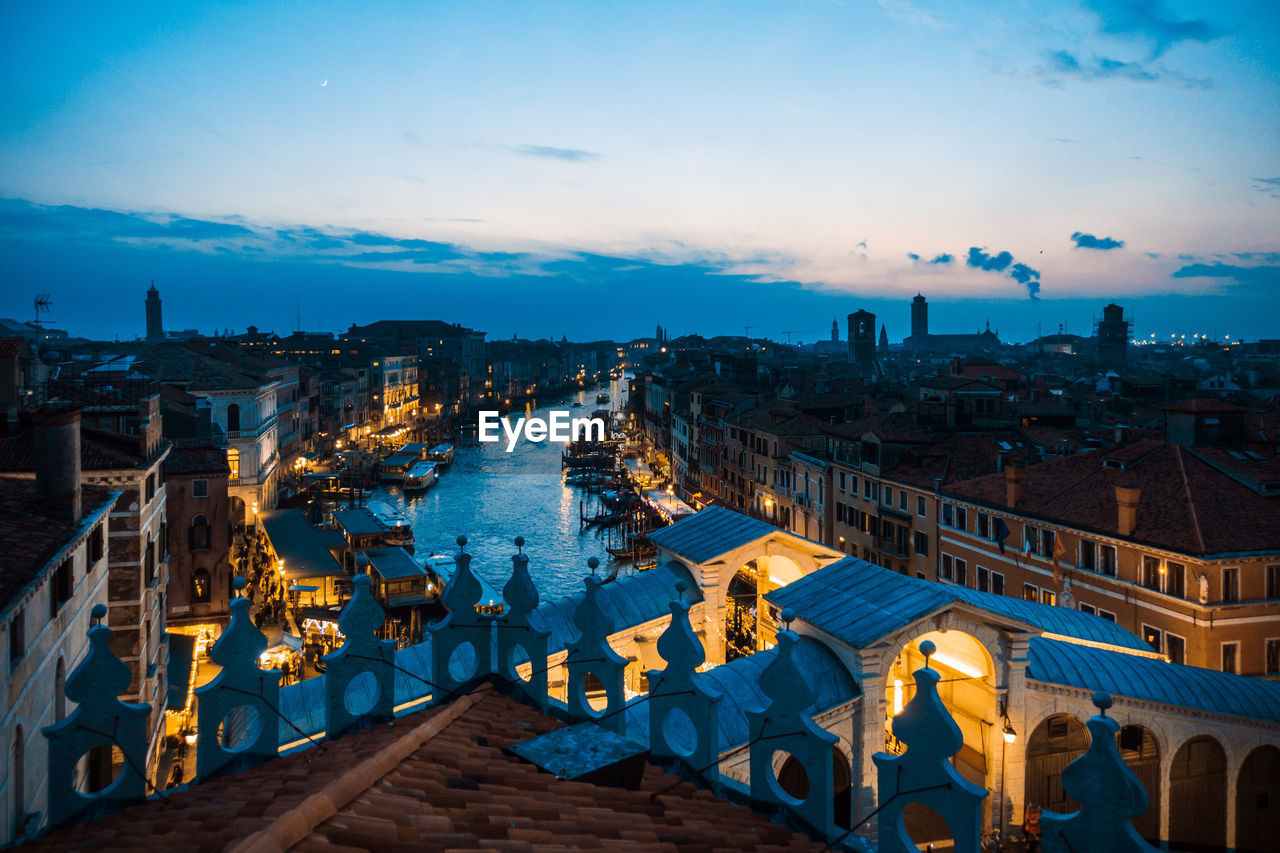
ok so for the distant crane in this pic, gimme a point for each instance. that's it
(42, 303)
(790, 332)
(746, 330)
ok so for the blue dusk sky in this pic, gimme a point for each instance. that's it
(595, 168)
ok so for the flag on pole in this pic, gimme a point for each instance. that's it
(1058, 551)
(1002, 533)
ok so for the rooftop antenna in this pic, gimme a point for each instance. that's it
(42, 303)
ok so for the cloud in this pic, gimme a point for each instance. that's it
(548, 152)
(992, 263)
(1088, 241)
(1267, 186)
(1064, 63)
(1151, 20)
(95, 224)
(412, 138)
(943, 258)
(1260, 277)
(913, 256)
(1019, 272)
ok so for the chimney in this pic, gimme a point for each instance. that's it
(149, 425)
(1127, 501)
(57, 432)
(1012, 486)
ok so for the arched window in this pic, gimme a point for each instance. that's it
(233, 418)
(198, 533)
(60, 691)
(233, 462)
(149, 562)
(200, 586)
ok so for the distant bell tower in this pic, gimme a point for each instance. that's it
(835, 332)
(1113, 336)
(884, 341)
(919, 320)
(155, 326)
(862, 340)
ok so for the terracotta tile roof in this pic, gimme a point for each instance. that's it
(30, 540)
(11, 347)
(1185, 504)
(436, 780)
(1203, 406)
(197, 460)
(99, 451)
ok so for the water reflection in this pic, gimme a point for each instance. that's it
(493, 496)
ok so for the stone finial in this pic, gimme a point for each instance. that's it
(463, 590)
(590, 653)
(99, 721)
(1109, 794)
(787, 727)
(519, 641)
(931, 737)
(680, 688)
(461, 642)
(349, 699)
(236, 716)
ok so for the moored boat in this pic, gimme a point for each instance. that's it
(441, 454)
(397, 521)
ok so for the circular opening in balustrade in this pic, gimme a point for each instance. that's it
(518, 664)
(361, 694)
(98, 769)
(789, 780)
(678, 729)
(239, 728)
(592, 693)
(462, 662)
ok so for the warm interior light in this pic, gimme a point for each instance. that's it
(897, 696)
(958, 665)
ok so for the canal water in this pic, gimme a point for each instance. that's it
(492, 496)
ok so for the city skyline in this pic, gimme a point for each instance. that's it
(497, 167)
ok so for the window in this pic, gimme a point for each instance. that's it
(1176, 648)
(1175, 579)
(984, 525)
(962, 572)
(151, 487)
(1108, 615)
(902, 499)
(1088, 608)
(1048, 596)
(945, 570)
(1273, 581)
(1030, 592)
(17, 636)
(149, 563)
(60, 589)
(1107, 560)
(948, 515)
(199, 488)
(233, 418)
(1272, 657)
(1231, 586)
(922, 509)
(1047, 543)
(962, 518)
(997, 583)
(922, 543)
(1088, 555)
(1031, 538)
(853, 485)
(1151, 572)
(200, 586)
(1231, 657)
(198, 533)
(233, 462)
(984, 579)
(95, 547)
(1153, 637)
(842, 481)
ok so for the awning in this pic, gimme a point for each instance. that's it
(286, 641)
(182, 652)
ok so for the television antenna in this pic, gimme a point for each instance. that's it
(42, 303)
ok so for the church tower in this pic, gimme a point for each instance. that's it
(155, 326)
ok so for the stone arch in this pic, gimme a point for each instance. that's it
(1258, 801)
(1198, 794)
(233, 417)
(1142, 751)
(1055, 742)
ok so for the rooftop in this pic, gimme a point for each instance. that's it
(710, 533)
(307, 551)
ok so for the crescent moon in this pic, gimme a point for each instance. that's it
(325, 83)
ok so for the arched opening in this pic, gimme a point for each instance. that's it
(233, 418)
(1198, 796)
(200, 586)
(967, 688)
(1055, 743)
(60, 691)
(1258, 802)
(17, 782)
(198, 533)
(926, 826)
(1141, 751)
(750, 623)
